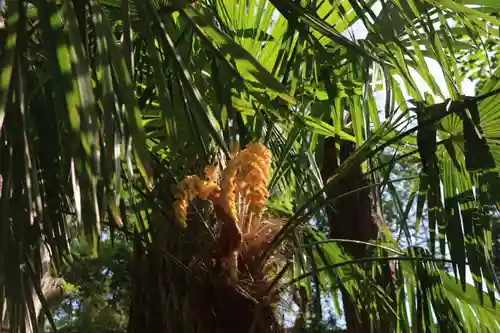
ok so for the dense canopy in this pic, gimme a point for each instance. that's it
(249, 166)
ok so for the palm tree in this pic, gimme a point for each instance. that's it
(108, 104)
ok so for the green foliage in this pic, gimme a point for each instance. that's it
(104, 104)
(482, 59)
(97, 290)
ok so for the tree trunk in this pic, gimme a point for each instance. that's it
(172, 293)
(353, 216)
(177, 285)
(52, 291)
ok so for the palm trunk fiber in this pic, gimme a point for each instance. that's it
(178, 294)
(178, 286)
(351, 217)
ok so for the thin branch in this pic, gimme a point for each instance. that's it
(361, 260)
(338, 240)
(484, 96)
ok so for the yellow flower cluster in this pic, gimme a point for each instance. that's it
(245, 178)
(243, 186)
(191, 187)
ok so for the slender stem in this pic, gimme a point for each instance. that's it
(338, 240)
(356, 261)
(484, 96)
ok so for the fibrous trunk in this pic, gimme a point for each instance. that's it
(352, 216)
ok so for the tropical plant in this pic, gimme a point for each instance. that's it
(105, 105)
